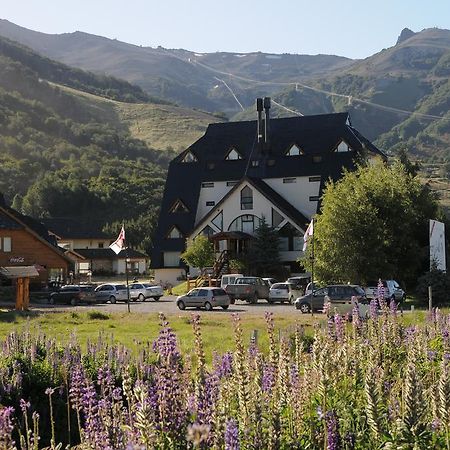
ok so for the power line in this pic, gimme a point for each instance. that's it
(286, 108)
(232, 93)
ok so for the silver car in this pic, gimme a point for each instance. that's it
(143, 291)
(283, 292)
(206, 297)
(111, 292)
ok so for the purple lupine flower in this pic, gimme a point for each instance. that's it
(393, 306)
(198, 433)
(330, 328)
(349, 440)
(339, 327)
(431, 355)
(380, 294)
(327, 308)
(333, 437)
(6, 427)
(435, 424)
(268, 378)
(356, 319)
(319, 413)
(373, 309)
(224, 365)
(231, 435)
(24, 405)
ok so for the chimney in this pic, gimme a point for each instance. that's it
(267, 122)
(259, 108)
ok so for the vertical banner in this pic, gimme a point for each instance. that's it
(437, 245)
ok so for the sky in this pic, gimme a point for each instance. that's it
(351, 28)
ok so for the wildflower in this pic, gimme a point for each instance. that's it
(231, 435)
(24, 405)
(319, 413)
(197, 433)
(6, 427)
(339, 327)
(333, 437)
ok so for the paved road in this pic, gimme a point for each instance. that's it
(167, 305)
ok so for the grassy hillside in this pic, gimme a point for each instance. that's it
(68, 152)
(160, 126)
(178, 75)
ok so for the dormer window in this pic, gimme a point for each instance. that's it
(294, 150)
(174, 233)
(342, 147)
(179, 207)
(233, 155)
(189, 157)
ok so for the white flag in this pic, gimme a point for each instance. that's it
(309, 232)
(119, 244)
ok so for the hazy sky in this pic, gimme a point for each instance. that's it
(347, 27)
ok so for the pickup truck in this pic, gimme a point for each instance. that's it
(249, 289)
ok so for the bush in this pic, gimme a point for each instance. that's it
(440, 283)
(97, 315)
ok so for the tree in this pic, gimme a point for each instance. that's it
(373, 223)
(264, 257)
(199, 253)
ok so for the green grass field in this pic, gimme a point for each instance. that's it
(134, 330)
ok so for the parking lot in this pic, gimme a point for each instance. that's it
(166, 305)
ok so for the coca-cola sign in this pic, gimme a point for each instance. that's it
(16, 259)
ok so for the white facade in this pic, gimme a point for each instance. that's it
(73, 244)
(172, 276)
(213, 193)
(231, 209)
(299, 192)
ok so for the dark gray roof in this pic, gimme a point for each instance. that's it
(75, 228)
(317, 136)
(107, 253)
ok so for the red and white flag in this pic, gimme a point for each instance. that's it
(119, 244)
(309, 232)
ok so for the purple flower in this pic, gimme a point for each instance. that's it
(24, 405)
(373, 309)
(6, 427)
(333, 437)
(49, 391)
(339, 327)
(268, 378)
(231, 435)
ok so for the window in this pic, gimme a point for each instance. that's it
(277, 218)
(233, 155)
(314, 198)
(100, 245)
(208, 184)
(317, 159)
(7, 244)
(289, 180)
(246, 198)
(255, 163)
(210, 203)
(294, 150)
(314, 179)
(189, 157)
(218, 221)
(179, 207)
(207, 231)
(202, 293)
(174, 233)
(171, 259)
(290, 238)
(247, 223)
(232, 183)
(342, 147)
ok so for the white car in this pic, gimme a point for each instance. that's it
(111, 292)
(283, 292)
(392, 290)
(143, 291)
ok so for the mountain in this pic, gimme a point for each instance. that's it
(184, 77)
(69, 147)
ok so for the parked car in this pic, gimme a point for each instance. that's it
(73, 295)
(339, 295)
(249, 289)
(111, 292)
(143, 291)
(283, 292)
(392, 290)
(270, 281)
(207, 297)
(229, 279)
(300, 282)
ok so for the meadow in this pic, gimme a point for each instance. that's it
(201, 382)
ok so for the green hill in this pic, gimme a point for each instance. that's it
(68, 152)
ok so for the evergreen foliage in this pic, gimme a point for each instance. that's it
(373, 224)
(199, 253)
